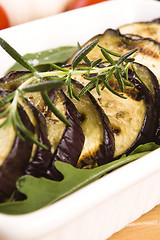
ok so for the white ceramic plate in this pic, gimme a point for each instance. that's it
(110, 203)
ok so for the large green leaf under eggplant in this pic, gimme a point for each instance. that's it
(41, 192)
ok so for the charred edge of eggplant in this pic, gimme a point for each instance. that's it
(42, 158)
(125, 36)
(71, 143)
(16, 162)
(156, 20)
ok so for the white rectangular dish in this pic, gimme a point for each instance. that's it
(110, 203)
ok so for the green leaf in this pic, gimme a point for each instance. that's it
(41, 192)
(43, 60)
(145, 147)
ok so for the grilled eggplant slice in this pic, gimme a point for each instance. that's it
(69, 147)
(41, 158)
(149, 29)
(99, 146)
(148, 51)
(133, 120)
(13, 161)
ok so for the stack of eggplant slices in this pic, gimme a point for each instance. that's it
(118, 110)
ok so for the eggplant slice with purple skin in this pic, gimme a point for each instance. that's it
(15, 155)
(152, 83)
(68, 148)
(99, 143)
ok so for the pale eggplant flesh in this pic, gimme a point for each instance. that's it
(13, 161)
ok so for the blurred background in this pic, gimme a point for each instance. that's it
(14, 12)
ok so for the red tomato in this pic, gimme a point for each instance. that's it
(82, 3)
(4, 21)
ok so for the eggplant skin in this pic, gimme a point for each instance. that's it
(71, 143)
(42, 158)
(149, 127)
(16, 162)
(151, 81)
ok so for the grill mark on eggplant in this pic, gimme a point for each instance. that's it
(144, 51)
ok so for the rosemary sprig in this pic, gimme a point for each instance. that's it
(43, 81)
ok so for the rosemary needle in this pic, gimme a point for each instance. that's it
(34, 81)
